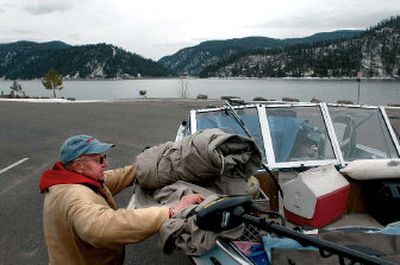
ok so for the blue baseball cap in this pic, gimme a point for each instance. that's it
(81, 144)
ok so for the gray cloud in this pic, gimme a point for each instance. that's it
(22, 32)
(172, 45)
(74, 36)
(9, 36)
(47, 7)
(323, 19)
(5, 6)
(16, 33)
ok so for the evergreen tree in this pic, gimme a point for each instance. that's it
(53, 81)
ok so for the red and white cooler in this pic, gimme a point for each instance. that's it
(316, 197)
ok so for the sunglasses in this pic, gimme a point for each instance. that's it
(100, 160)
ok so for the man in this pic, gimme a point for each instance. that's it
(82, 224)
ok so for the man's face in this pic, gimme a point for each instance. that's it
(93, 166)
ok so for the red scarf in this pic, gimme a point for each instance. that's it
(59, 175)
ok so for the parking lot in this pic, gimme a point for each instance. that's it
(31, 134)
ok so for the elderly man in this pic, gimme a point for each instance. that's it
(82, 224)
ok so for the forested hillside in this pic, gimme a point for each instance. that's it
(193, 60)
(29, 60)
(374, 53)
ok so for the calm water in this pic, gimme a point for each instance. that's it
(373, 92)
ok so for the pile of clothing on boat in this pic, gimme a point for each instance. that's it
(209, 162)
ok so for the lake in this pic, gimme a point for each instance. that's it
(372, 92)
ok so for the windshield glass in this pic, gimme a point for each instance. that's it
(362, 133)
(225, 121)
(298, 134)
(394, 118)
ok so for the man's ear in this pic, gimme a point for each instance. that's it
(78, 167)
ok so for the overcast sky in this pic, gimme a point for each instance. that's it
(155, 28)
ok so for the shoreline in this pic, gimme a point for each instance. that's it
(305, 90)
(383, 78)
(63, 100)
(166, 100)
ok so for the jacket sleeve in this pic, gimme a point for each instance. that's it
(118, 179)
(101, 226)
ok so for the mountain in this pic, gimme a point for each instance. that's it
(193, 60)
(29, 60)
(373, 53)
(324, 37)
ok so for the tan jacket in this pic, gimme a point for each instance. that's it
(81, 228)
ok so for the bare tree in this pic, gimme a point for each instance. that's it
(16, 88)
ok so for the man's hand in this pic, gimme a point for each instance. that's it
(185, 202)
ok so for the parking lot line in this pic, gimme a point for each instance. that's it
(13, 165)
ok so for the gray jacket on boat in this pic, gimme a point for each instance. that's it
(209, 162)
(209, 155)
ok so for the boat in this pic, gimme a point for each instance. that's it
(315, 154)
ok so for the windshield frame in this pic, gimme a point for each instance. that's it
(324, 109)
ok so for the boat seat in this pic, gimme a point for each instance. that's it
(344, 128)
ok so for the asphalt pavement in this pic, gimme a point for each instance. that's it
(31, 135)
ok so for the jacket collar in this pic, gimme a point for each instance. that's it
(59, 175)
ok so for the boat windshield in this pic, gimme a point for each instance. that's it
(394, 118)
(362, 133)
(225, 121)
(310, 134)
(298, 134)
